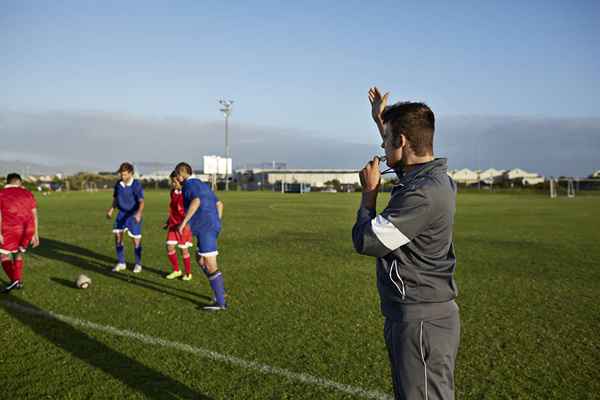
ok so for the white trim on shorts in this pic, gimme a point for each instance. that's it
(131, 235)
(209, 254)
(8, 252)
(185, 245)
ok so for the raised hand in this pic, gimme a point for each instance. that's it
(378, 103)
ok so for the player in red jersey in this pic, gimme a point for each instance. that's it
(19, 222)
(174, 238)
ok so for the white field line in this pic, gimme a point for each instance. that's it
(211, 355)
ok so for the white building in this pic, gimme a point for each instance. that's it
(312, 177)
(528, 178)
(518, 173)
(491, 175)
(464, 176)
(595, 174)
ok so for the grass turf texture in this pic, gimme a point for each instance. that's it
(301, 299)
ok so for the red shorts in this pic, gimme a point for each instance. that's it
(17, 238)
(182, 240)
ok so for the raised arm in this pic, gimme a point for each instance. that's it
(378, 104)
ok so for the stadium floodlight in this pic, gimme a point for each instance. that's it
(226, 109)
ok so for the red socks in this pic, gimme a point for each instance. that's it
(7, 265)
(174, 261)
(188, 264)
(18, 269)
(13, 269)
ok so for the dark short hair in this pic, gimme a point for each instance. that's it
(183, 166)
(125, 167)
(413, 120)
(173, 175)
(13, 177)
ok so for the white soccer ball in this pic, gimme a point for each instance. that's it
(83, 282)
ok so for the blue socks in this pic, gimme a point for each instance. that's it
(138, 255)
(218, 286)
(120, 253)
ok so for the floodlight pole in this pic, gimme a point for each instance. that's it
(227, 105)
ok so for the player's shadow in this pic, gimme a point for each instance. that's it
(64, 282)
(152, 383)
(89, 260)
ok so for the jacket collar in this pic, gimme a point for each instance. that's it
(435, 166)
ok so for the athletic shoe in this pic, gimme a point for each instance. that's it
(13, 285)
(215, 307)
(119, 267)
(187, 277)
(174, 274)
(137, 269)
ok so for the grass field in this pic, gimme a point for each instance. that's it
(304, 315)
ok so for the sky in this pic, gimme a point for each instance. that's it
(304, 66)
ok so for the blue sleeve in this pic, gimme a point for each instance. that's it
(195, 191)
(139, 191)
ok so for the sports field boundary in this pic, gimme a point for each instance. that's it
(204, 353)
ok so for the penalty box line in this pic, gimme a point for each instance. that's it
(204, 353)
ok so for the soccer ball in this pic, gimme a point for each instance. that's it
(83, 282)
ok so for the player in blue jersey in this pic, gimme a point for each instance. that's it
(128, 198)
(203, 213)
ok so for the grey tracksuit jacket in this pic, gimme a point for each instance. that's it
(412, 240)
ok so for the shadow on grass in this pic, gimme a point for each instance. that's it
(152, 383)
(88, 260)
(64, 282)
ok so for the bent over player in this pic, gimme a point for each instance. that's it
(128, 198)
(203, 213)
(412, 242)
(19, 222)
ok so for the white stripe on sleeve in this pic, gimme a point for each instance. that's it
(387, 233)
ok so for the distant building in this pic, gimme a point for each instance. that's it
(595, 175)
(526, 178)
(491, 175)
(464, 176)
(312, 177)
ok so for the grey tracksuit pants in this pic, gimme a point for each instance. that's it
(422, 356)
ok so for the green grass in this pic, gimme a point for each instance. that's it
(301, 299)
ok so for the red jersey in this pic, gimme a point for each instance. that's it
(176, 209)
(16, 205)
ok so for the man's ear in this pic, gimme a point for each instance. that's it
(402, 141)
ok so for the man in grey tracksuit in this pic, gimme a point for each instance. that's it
(412, 240)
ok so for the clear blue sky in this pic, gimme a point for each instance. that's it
(301, 65)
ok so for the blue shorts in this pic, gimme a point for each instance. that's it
(207, 242)
(126, 222)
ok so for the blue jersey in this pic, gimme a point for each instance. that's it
(128, 196)
(207, 216)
